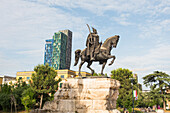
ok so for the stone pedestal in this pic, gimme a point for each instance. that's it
(88, 95)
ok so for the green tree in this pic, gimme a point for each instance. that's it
(158, 81)
(28, 98)
(10, 95)
(125, 92)
(5, 100)
(17, 91)
(43, 81)
(155, 97)
(149, 99)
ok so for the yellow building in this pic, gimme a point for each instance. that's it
(64, 73)
(1, 80)
(24, 75)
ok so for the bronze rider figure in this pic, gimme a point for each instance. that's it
(92, 44)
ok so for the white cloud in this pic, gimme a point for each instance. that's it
(156, 58)
(99, 7)
(122, 19)
(155, 29)
(166, 10)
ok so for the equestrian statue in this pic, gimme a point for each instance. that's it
(96, 51)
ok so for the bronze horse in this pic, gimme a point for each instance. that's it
(102, 56)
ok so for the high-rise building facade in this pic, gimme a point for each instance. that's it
(48, 52)
(61, 46)
(59, 51)
(68, 33)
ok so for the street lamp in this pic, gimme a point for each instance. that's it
(132, 79)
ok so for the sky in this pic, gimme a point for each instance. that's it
(143, 27)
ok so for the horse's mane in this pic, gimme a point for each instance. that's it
(106, 42)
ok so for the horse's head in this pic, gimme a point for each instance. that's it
(111, 42)
(115, 40)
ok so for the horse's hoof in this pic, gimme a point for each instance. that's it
(92, 73)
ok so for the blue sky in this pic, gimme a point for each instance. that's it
(143, 26)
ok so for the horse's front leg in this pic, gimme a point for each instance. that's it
(112, 59)
(103, 66)
(108, 57)
(82, 62)
(89, 64)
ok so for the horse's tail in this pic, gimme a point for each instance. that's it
(77, 55)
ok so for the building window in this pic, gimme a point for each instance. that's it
(62, 76)
(20, 78)
(61, 85)
(28, 78)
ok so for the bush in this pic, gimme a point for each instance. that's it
(28, 99)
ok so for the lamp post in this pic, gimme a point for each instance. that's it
(132, 79)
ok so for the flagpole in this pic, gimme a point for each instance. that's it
(132, 93)
(133, 98)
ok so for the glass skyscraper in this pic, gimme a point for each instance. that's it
(68, 33)
(48, 52)
(61, 45)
